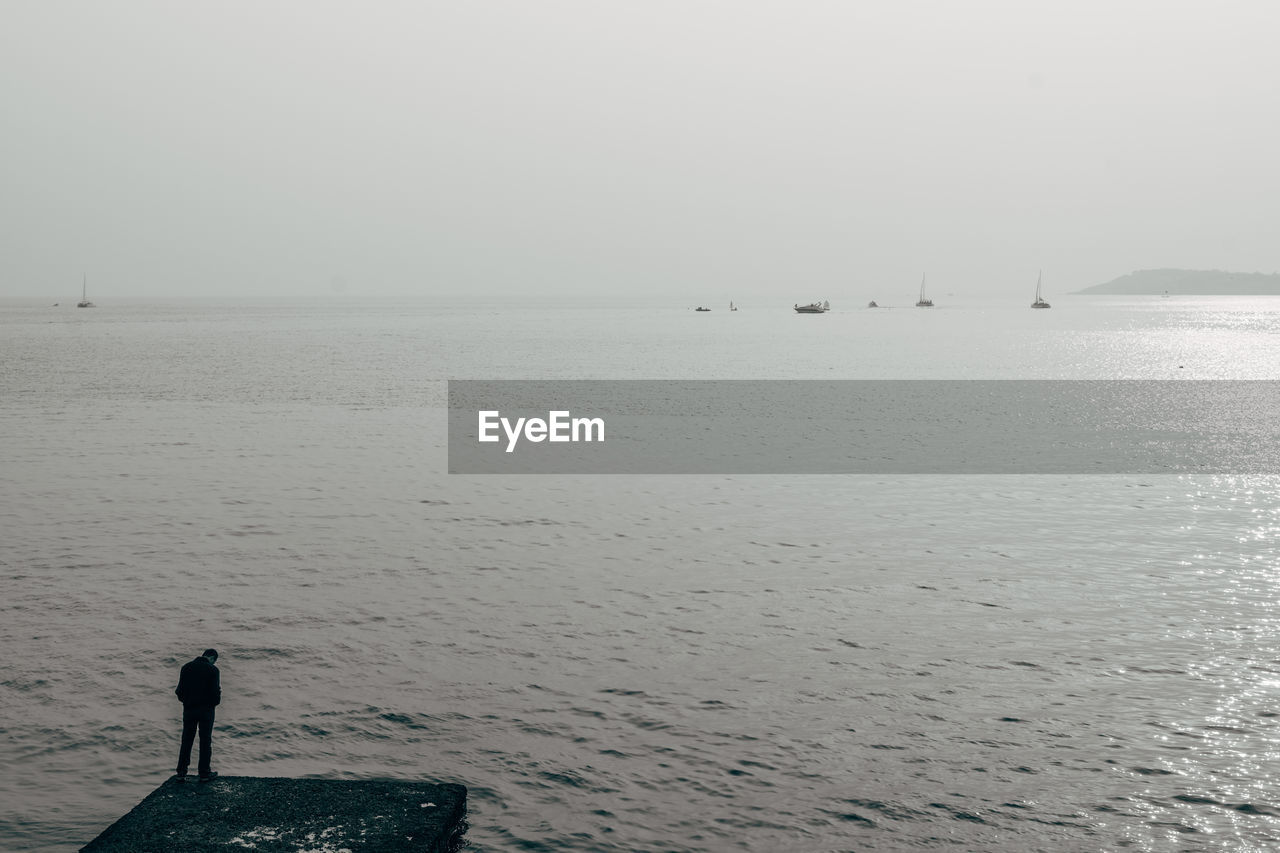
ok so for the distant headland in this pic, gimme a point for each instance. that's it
(1191, 282)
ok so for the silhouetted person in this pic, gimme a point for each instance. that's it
(200, 692)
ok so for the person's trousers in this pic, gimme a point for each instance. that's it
(193, 719)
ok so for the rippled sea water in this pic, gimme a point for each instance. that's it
(630, 663)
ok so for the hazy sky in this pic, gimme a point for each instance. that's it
(711, 150)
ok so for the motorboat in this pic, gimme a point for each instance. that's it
(813, 308)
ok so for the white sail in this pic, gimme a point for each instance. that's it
(1039, 303)
(84, 293)
(923, 301)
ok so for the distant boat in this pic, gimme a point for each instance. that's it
(733, 307)
(922, 302)
(84, 295)
(1039, 303)
(700, 308)
(813, 308)
(872, 304)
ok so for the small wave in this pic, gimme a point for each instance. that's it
(1255, 808)
(567, 778)
(892, 811)
(854, 817)
(959, 814)
(263, 653)
(1181, 828)
(402, 720)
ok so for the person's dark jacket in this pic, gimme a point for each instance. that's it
(198, 685)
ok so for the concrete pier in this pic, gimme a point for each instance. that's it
(277, 815)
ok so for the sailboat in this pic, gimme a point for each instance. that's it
(84, 295)
(922, 302)
(1039, 303)
(733, 307)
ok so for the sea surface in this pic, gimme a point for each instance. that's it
(634, 663)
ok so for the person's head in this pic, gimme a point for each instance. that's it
(211, 654)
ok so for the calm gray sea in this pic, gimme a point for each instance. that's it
(643, 663)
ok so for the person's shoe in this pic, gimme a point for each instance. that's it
(205, 777)
(180, 777)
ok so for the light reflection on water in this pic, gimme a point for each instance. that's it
(1222, 781)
